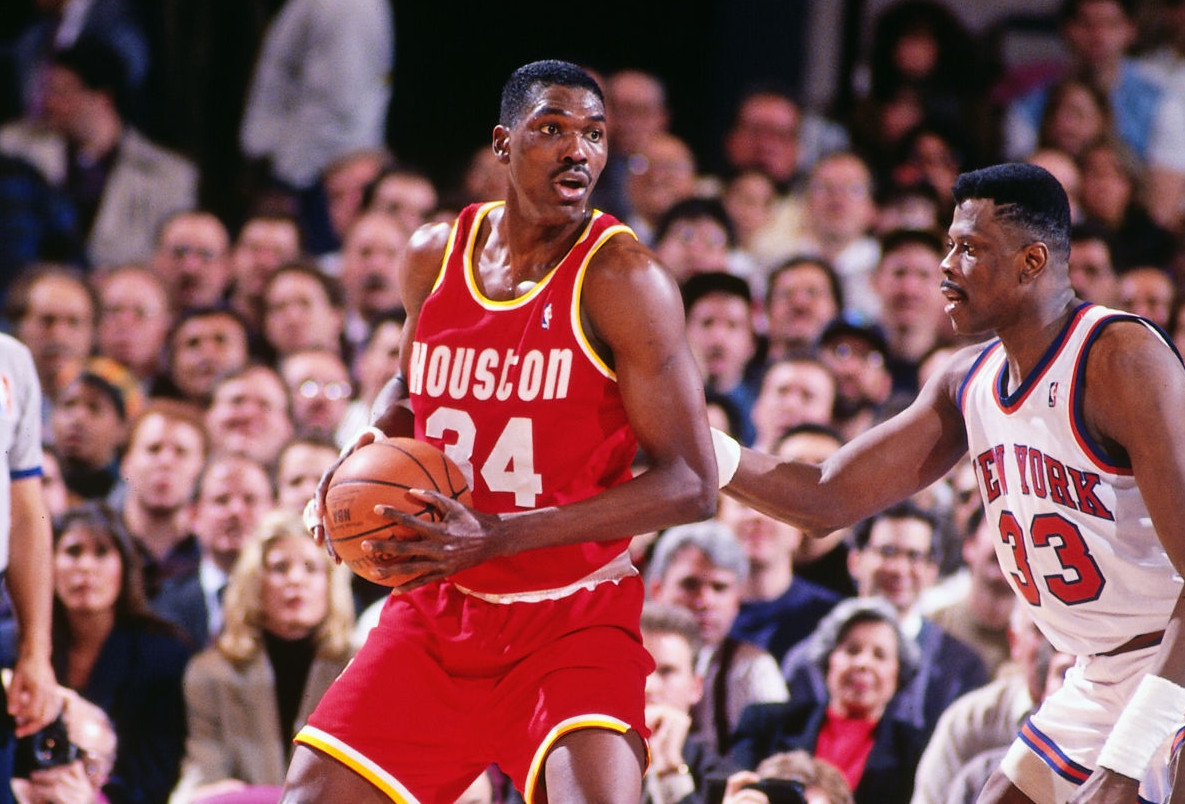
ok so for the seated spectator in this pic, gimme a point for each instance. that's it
(302, 309)
(320, 388)
(405, 194)
(659, 174)
(894, 557)
(344, 181)
(720, 333)
(369, 273)
(819, 781)
(1147, 291)
(52, 310)
(702, 568)
(988, 719)
(90, 427)
(81, 780)
(837, 224)
(855, 355)
(167, 447)
(1092, 271)
(288, 620)
(804, 294)
(376, 362)
(265, 242)
(912, 316)
(679, 760)
(113, 651)
(794, 390)
(204, 345)
(250, 414)
(134, 320)
(866, 659)
(748, 198)
(778, 609)
(1111, 197)
(122, 184)
(1077, 112)
(192, 258)
(693, 237)
(979, 618)
(820, 559)
(299, 468)
(233, 493)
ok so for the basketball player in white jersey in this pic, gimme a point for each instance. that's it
(1071, 416)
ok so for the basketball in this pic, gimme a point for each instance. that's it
(380, 473)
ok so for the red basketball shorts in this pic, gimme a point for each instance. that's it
(448, 683)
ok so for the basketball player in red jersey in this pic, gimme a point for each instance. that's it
(1071, 417)
(544, 345)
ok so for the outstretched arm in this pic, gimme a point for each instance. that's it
(1135, 389)
(878, 468)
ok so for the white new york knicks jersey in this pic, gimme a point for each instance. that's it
(1074, 535)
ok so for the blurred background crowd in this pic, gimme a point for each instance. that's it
(202, 206)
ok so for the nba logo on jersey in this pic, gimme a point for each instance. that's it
(1053, 394)
(547, 316)
(6, 405)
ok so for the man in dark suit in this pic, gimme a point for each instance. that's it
(233, 494)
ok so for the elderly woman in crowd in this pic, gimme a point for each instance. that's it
(866, 659)
(286, 636)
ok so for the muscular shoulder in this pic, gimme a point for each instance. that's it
(1134, 383)
(624, 266)
(627, 292)
(422, 263)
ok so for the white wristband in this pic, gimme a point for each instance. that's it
(1155, 711)
(728, 456)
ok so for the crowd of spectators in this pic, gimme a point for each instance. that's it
(202, 366)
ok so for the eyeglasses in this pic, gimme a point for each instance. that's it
(333, 391)
(890, 551)
(180, 251)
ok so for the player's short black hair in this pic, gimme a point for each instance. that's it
(521, 85)
(1026, 196)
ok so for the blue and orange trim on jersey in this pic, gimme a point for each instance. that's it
(1010, 403)
(1051, 755)
(1045, 748)
(1077, 397)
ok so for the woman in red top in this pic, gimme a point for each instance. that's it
(866, 659)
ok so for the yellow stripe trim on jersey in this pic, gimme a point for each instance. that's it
(364, 767)
(448, 252)
(561, 729)
(578, 292)
(471, 274)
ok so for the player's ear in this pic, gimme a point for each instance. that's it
(1036, 258)
(502, 143)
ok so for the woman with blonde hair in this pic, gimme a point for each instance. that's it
(289, 614)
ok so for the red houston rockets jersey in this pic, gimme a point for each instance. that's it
(514, 393)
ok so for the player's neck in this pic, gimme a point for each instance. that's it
(1027, 341)
(535, 244)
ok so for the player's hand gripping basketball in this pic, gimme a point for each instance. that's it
(314, 510)
(460, 538)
